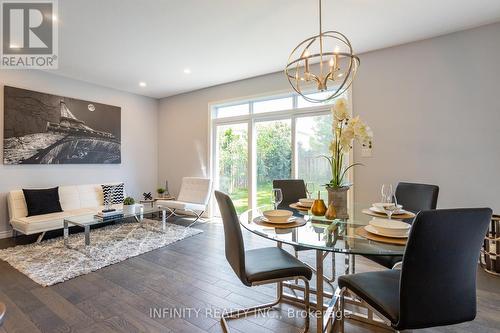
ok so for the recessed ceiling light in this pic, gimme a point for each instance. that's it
(142, 84)
(187, 70)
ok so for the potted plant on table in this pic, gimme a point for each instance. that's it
(345, 129)
(161, 192)
(128, 205)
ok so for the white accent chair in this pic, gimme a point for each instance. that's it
(193, 197)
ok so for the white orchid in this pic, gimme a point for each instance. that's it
(345, 130)
(340, 109)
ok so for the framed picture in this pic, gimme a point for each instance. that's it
(42, 128)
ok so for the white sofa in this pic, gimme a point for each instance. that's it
(75, 201)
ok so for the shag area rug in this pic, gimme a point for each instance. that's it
(51, 262)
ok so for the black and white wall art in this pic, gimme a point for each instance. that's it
(41, 128)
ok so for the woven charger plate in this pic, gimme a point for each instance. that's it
(361, 231)
(298, 222)
(298, 206)
(407, 215)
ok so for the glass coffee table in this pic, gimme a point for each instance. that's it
(86, 221)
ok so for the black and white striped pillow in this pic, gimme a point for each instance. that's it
(113, 194)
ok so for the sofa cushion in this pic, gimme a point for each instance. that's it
(34, 224)
(42, 201)
(113, 193)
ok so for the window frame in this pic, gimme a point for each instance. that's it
(251, 119)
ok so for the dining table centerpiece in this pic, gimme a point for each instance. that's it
(346, 129)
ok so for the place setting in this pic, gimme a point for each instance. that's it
(388, 207)
(305, 204)
(278, 218)
(385, 226)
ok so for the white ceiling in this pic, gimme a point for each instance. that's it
(118, 43)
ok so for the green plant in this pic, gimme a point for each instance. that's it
(129, 201)
(160, 190)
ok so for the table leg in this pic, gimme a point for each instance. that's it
(319, 291)
(350, 262)
(66, 232)
(334, 272)
(87, 235)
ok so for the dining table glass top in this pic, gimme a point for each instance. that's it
(337, 235)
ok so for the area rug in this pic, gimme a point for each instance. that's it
(51, 262)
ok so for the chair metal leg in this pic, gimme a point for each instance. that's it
(279, 290)
(398, 265)
(196, 219)
(340, 313)
(173, 212)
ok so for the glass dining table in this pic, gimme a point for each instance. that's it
(325, 237)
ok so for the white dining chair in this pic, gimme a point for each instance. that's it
(193, 197)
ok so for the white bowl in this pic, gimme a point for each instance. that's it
(277, 215)
(390, 227)
(306, 202)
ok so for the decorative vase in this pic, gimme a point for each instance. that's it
(337, 196)
(318, 208)
(129, 209)
(331, 212)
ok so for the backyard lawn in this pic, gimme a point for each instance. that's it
(240, 197)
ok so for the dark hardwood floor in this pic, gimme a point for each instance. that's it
(190, 275)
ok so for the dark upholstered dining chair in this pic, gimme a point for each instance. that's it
(414, 198)
(259, 266)
(292, 190)
(436, 285)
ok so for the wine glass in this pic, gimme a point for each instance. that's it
(309, 189)
(391, 207)
(276, 197)
(389, 200)
(387, 193)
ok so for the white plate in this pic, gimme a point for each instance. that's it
(391, 228)
(306, 202)
(389, 224)
(290, 220)
(374, 231)
(382, 211)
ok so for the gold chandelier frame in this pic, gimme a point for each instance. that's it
(298, 68)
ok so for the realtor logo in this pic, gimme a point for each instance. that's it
(29, 34)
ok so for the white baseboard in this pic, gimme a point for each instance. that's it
(5, 234)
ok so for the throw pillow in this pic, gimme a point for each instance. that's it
(113, 194)
(42, 201)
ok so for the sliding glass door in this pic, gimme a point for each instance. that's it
(274, 156)
(313, 137)
(256, 141)
(231, 162)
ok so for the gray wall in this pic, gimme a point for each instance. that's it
(433, 105)
(435, 109)
(139, 167)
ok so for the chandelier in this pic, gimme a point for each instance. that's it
(324, 62)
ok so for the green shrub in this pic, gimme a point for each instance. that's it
(129, 201)
(161, 190)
